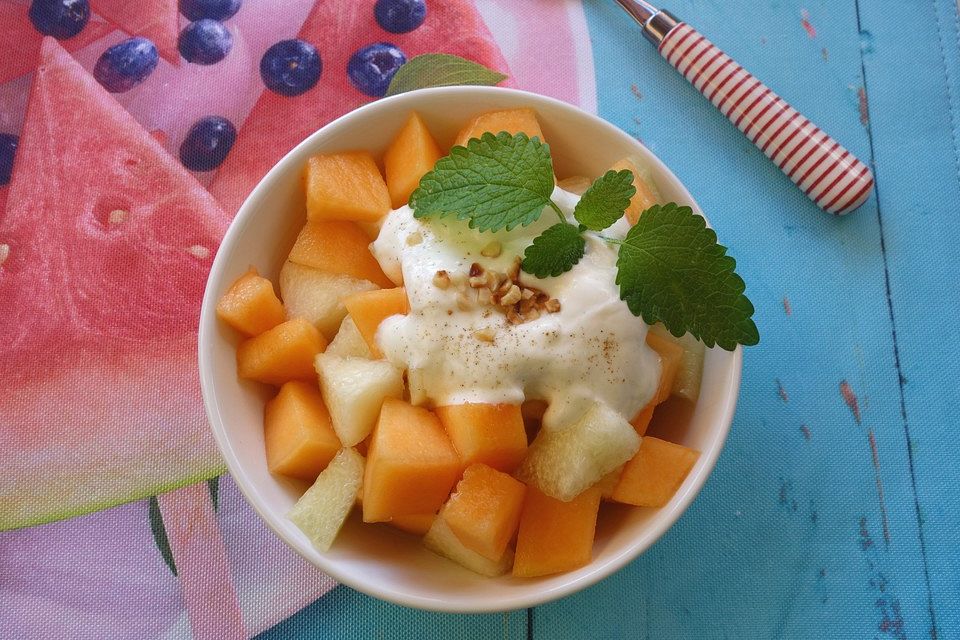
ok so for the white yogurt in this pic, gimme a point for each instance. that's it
(593, 349)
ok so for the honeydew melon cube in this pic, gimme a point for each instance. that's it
(563, 463)
(686, 383)
(317, 296)
(348, 343)
(442, 541)
(322, 510)
(354, 390)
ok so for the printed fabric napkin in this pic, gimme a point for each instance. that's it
(114, 521)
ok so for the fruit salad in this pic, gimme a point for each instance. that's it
(468, 350)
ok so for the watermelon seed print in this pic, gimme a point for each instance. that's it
(205, 42)
(400, 16)
(221, 10)
(160, 535)
(291, 67)
(126, 64)
(61, 19)
(372, 68)
(207, 144)
(8, 150)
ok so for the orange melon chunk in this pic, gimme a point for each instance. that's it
(417, 523)
(555, 536)
(337, 246)
(298, 434)
(345, 186)
(512, 121)
(408, 158)
(281, 354)
(484, 511)
(250, 305)
(369, 308)
(655, 473)
(489, 433)
(646, 195)
(641, 421)
(411, 464)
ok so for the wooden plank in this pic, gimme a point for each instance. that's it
(807, 527)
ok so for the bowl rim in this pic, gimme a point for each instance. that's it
(509, 600)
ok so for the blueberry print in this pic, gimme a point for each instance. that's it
(125, 65)
(8, 149)
(291, 67)
(400, 16)
(61, 19)
(205, 42)
(214, 9)
(372, 68)
(207, 144)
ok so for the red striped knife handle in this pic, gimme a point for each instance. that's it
(827, 173)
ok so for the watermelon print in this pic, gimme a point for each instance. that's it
(106, 405)
(338, 30)
(106, 268)
(20, 40)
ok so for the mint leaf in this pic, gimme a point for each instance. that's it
(554, 251)
(671, 270)
(496, 182)
(605, 201)
(441, 70)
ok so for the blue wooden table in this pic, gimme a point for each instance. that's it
(834, 511)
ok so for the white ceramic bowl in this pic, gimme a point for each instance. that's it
(379, 560)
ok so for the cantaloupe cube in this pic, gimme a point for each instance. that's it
(671, 354)
(555, 536)
(484, 510)
(281, 354)
(641, 421)
(564, 462)
(489, 433)
(354, 390)
(575, 184)
(442, 541)
(513, 121)
(653, 475)
(337, 246)
(322, 510)
(297, 432)
(348, 343)
(369, 308)
(317, 296)
(250, 305)
(647, 194)
(416, 523)
(411, 464)
(345, 186)
(408, 158)
(686, 384)
(608, 483)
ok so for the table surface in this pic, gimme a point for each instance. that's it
(834, 509)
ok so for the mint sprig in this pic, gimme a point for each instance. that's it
(496, 182)
(670, 267)
(554, 251)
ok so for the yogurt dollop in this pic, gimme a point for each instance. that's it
(592, 350)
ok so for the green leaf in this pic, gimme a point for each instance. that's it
(160, 534)
(441, 70)
(605, 201)
(554, 251)
(496, 182)
(672, 270)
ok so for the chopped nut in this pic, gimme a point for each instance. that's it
(511, 297)
(463, 302)
(475, 270)
(414, 239)
(514, 271)
(533, 314)
(526, 294)
(484, 335)
(541, 298)
(504, 286)
(552, 305)
(513, 317)
(477, 282)
(484, 297)
(492, 250)
(441, 279)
